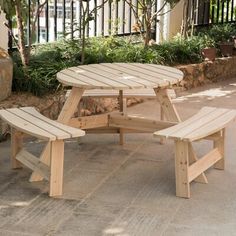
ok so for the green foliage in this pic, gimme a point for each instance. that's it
(46, 61)
(219, 33)
(181, 51)
(50, 58)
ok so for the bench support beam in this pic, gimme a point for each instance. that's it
(204, 163)
(193, 158)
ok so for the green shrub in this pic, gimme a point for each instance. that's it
(50, 58)
(219, 33)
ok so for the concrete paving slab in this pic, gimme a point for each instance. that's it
(125, 190)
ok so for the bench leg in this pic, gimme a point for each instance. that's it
(181, 169)
(67, 112)
(219, 143)
(44, 158)
(16, 146)
(57, 162)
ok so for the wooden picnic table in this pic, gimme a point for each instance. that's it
(117, 76)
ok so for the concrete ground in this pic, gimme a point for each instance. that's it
(125, 190)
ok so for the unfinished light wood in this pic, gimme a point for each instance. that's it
(120, 76)
(70, 105)
(181, 169)
(90, 122)
(219, 144)
(65, 115)
(32, 162)
(29, 121)
(209, 123)
(167, 105)
(192, 159)
(16, 146)
(57, 162)
(204, 163)
(137, 123)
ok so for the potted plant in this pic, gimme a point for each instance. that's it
(209, 51)
(226, 48)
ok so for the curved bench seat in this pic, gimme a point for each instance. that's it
(208, 123)
(27, 120)
(30, 121)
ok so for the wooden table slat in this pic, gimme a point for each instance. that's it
(112, 77)
(120, 76)
(127, 79)
(96, 77)
(129, 70)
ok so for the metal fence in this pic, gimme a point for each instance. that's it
(63, 18)
(206, 12)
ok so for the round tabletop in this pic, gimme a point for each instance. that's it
(120, 76)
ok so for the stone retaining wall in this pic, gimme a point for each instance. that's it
(207, 72)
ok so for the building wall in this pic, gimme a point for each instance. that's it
(175, 19)
(3, 33)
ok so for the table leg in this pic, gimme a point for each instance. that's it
(122, 108)
(167, 106)
(65, 115)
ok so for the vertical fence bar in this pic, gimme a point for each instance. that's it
(212, 14)
(123, 17)
(116, 17)
(218, 11)
(55, 20)
(154, 33)
(227, 11)
(10, 39)
(109, 18)
(130, 17)
(222, 11)
(232, 11)
(95, 17)
(64, 17)
(102, 17)
(47, 21)
(29, 22)
(38, 25)
(72, 19)
(87, 27)
(80, 18)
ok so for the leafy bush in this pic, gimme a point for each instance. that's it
(50, 58)
(46, 61)
(219, 33)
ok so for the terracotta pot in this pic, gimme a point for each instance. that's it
(209, 54)
(226, 49)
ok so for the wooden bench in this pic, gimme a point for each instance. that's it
(28, 121)
(208, 123)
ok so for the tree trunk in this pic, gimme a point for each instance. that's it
(148, 25)
(21, 35)
(185, 22)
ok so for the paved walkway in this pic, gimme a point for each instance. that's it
(125, 190)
